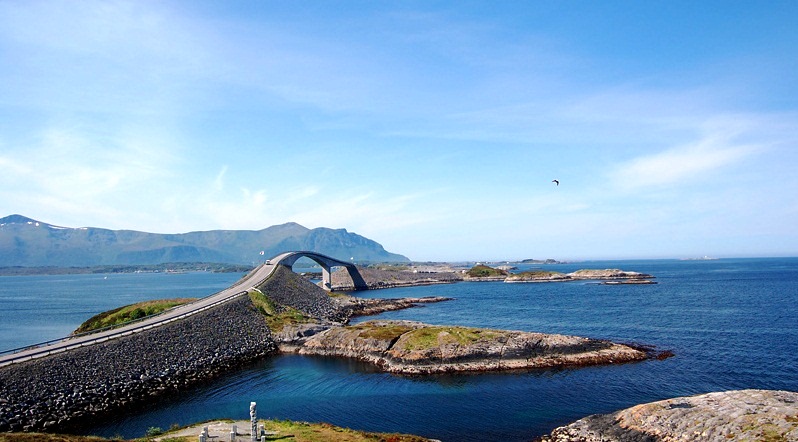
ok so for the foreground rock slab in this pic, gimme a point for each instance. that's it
(415, 348)
(743, 415)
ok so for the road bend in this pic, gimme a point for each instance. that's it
(240, 288)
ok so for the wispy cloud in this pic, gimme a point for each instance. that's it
(723, 142)
(83, 172)
(678, 165)
(218, 183)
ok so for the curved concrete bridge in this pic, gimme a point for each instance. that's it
(240, 288)
(289, 258)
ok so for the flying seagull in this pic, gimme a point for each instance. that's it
(555, 182)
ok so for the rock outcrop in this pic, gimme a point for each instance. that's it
(373, 306)
(745, 415)
(413, 348)
(608, 275)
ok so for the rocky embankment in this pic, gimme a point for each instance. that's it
(745, 415)
(63, 391)
(415, 348)
(288, 290)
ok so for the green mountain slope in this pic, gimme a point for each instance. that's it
(31, 243)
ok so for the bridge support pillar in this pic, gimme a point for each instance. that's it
(326, 277)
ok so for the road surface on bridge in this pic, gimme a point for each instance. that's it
(256, 277)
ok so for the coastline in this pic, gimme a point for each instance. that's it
(376, 279)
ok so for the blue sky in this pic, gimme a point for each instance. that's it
(434, 128)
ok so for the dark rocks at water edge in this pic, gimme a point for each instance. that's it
(67, 390)
(744, 415)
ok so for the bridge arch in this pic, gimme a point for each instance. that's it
(327, 263)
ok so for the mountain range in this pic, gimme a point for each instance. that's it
(30, 243)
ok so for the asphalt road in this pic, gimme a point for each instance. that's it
(240, 288)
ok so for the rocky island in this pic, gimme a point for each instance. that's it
(415, 348)
(608, 276)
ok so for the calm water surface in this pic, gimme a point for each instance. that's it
(732, 324)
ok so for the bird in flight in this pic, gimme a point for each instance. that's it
(557, 182)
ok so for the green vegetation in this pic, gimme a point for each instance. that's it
(323, 432)
(434, 336)
(129, 313)
(276, 317)
(154, 431)
(483, 271)
(387, 332)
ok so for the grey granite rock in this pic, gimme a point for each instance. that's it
(743, 415)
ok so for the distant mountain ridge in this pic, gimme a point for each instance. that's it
(30, 243)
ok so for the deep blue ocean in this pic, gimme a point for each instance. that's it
(731, 323)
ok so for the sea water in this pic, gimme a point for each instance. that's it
(731, 323)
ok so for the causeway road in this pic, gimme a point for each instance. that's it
(255, 278)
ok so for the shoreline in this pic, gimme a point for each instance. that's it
(377, 279)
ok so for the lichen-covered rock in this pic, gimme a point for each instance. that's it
(413, 347)
(744, 415)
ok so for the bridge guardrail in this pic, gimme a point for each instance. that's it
(45, 351)
(49, 351)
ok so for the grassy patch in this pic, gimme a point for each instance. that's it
(435, 336)
(306, 432)
(276, 318)
(130, 313)
(382, 332)
(483, 271)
